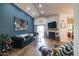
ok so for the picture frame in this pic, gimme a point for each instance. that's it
(20, 24)
(62, 25)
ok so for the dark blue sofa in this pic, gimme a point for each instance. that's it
(20, 42)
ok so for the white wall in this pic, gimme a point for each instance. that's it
(64, 31)
(76, 30)
(45, 21)
(40, 21)
(58, 18)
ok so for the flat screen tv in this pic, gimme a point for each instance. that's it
(52, 25)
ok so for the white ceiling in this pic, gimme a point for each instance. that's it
(47, 9)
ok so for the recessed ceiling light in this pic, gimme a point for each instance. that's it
(42, 12)
(40, 5)
(33, 13)
(28, 8)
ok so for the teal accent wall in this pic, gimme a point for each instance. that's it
(7, 13)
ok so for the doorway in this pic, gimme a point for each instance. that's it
(40, 29)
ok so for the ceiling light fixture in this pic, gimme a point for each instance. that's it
(28, 8)
(40, 5)
(42, 12)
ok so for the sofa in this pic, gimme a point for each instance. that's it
(63, 50)
(21, 41)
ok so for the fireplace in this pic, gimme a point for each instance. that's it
(51, 35)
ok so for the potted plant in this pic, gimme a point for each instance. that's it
(4, 38)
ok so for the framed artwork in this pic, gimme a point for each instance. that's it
(20, 24)
(62, 25)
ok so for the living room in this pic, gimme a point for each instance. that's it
(25, 27)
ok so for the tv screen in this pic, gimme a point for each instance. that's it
(52, 25)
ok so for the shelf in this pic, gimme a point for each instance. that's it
(52, 30)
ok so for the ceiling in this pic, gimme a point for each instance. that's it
(45, 9)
